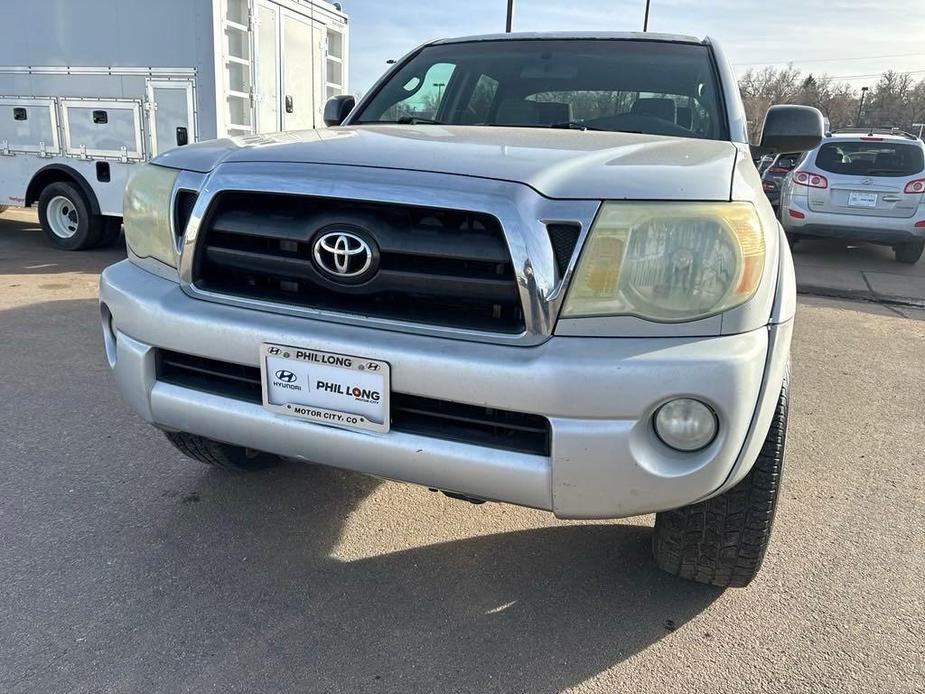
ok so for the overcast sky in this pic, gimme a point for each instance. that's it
(851, 38)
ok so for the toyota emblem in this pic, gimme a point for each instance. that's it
(344, 255)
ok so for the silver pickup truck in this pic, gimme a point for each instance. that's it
(530, 268)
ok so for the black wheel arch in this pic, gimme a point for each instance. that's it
(60, 173)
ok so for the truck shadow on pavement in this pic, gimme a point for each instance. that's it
(26, 251)
(531, 610)
(132, 569)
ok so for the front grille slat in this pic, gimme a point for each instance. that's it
(208, 375)
(442, 267)
(385, 281)
(411, 414)
(419, 240)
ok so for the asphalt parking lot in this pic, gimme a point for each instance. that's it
(126, 568)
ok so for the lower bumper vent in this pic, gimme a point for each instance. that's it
(412, 414)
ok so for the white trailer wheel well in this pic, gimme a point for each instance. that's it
(54, 173)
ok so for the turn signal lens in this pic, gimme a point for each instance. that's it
(668, 262)
(146, 213)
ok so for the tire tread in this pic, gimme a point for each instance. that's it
(220, 455)
(723, 541)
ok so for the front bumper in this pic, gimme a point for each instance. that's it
(599, 395)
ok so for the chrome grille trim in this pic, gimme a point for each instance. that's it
(522, 212)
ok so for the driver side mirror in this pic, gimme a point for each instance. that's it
(789, 128)
(338, 108)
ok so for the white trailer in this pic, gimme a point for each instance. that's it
(91, 88)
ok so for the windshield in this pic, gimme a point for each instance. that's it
(871, 158)
(650, 87)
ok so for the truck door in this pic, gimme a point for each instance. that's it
(170, 109)
(299, 40)
(103, 128)
(28, 125)
(269, 103)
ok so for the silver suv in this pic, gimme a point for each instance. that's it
(861, 186)
(537, 269)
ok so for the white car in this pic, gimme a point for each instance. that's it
(866, 185)
(537, 269)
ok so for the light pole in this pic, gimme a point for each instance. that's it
(510, 16)
(857, 121)
(645, 21)
(919, 126)
(439, 86)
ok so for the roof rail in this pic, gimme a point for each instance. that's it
(875, 131)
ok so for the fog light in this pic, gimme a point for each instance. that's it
(685, 424)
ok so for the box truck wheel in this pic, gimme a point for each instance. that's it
(66, 219)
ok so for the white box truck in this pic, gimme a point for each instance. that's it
(91, 88)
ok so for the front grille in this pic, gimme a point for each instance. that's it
(412, 414)
(436, 266)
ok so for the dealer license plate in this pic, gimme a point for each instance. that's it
(335, 389)
(862, 199)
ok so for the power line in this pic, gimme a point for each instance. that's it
(868, 75)
(833, 60)
(874, 74)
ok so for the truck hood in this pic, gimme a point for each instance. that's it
(566, 164)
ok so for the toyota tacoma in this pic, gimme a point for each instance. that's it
(530, 268)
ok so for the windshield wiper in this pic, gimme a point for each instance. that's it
(414, 120)
(574, 125)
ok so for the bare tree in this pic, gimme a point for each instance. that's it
(895, 101)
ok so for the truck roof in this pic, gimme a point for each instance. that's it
(607, 35)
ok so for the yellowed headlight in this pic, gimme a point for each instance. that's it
(669, 261)
(146, 213)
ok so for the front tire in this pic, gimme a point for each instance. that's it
(909, 252)
(722, 541)
(65, 216)
(220, 455)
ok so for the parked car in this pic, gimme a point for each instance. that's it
(860, 186)
(773, 176)
(561, 288)
(764, 162)
(82, 108)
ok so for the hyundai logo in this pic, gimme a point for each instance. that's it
(343, 255)
(286, 376)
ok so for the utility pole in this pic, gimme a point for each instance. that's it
(857, 121)
(645, 22)
(510, 16)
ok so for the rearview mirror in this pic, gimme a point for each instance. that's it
(338, 108)
(789, 128)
